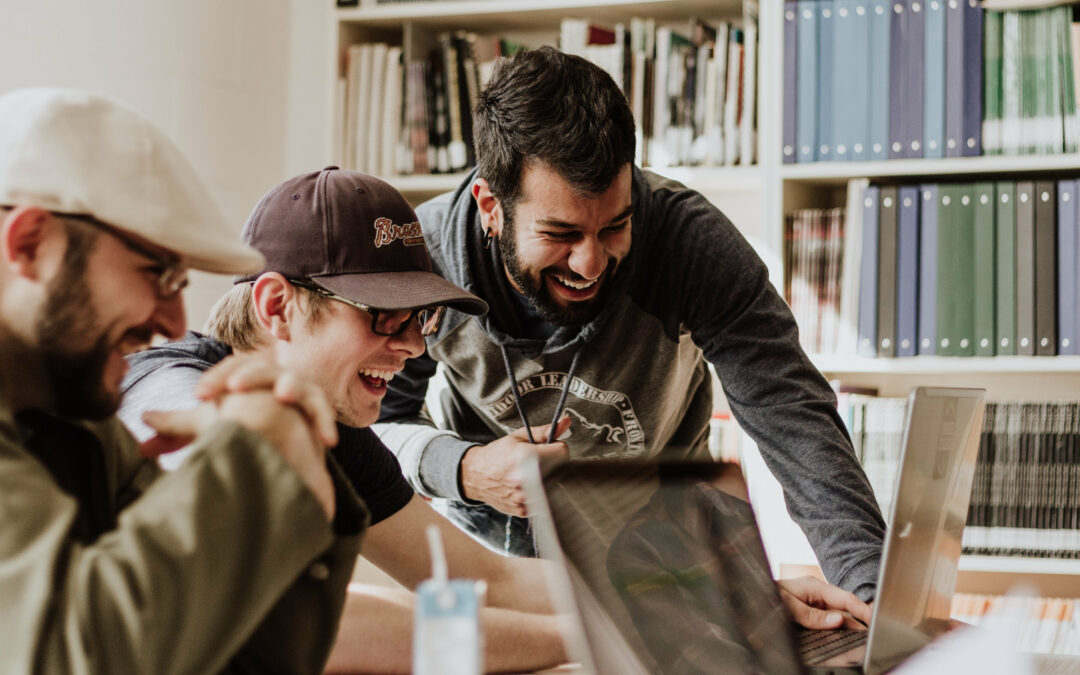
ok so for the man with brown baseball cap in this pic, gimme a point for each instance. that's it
(347, 272)
(103, 567)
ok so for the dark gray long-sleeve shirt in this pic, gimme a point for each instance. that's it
(691, 290)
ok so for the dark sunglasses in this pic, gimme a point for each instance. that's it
(387, 322)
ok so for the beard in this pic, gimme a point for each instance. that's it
(75, 377)
(531, 283)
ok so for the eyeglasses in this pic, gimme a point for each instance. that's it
(387, 322)
(171, 273)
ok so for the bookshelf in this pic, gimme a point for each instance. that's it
(757, 198)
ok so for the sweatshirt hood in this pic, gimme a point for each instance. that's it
(194, 348)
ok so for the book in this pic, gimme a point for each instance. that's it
(985, 242)
(886, 278)
(934, 79)
(907, 271)
(898, 79)
(845, 104)
(848, 338)
(954, 77)
(928, 269)
(748, 111)
(1068, 252)
(1025, 268)
(971, 129)
(992, 71)
(868, 273)
(879, 55)
(790, 48)
(948, 222)
(1045, 268)
(806, 81)
(962, 279)
(1005, 269)
(826, 55)
(914, 47)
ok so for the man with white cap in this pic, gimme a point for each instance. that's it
(235, 562)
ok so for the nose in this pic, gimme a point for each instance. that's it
(588, 258)
(169, 318)
(410, 340)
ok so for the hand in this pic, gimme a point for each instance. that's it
(289, 427)
(815, 604)
(242, 373)
(489, 473)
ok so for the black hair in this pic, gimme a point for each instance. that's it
(555, 109)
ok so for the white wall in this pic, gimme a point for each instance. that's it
(215, 75)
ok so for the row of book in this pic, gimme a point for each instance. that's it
(813, 263)
(1025, 498)
(892, 79)
(970, 269)
(1050, 625)
(398, 118)
(693, 94)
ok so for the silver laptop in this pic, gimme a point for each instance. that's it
(663, 566)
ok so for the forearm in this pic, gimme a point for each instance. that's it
(521, 585)
(376, 635)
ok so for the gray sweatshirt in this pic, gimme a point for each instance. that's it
(691, 290)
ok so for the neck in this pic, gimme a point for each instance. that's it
(23, 379)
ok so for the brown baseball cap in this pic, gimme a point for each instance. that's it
(354, 235)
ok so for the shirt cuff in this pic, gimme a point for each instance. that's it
(440, 466)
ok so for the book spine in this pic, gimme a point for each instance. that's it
(1045, 269)
(868, 273)
(985, 240)
(886, 285)
(928, 269)
(1005, 269)
(1025, 268)
(907, 271)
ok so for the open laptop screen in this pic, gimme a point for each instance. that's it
(674, 560)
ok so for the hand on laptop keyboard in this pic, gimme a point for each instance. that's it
(816, 604)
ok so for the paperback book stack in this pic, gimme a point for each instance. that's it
(1025, 498)
(813, 259)
(1052, 625)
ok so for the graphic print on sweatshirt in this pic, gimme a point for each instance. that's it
(602, 423)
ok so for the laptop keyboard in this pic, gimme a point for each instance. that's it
(816, 646)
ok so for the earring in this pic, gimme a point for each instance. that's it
(487, 238)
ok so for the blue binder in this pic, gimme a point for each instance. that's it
(898, 80)
(934, 79)
(806, 81)
(971, 131)
(928, 260)
(880, 37)
(826, 47)
(791, 14)
(847, 106)
(913, 69)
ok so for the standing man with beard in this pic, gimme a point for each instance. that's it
(236, 562)
(610, 290)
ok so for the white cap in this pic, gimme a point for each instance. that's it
(78, 152)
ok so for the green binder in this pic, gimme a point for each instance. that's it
(985, 245)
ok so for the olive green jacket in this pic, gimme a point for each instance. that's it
(225, 565)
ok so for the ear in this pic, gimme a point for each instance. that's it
(31, 241)
(491, 213)
(275, 303)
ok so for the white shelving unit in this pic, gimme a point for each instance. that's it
(756, 199)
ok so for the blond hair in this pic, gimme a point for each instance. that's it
(232, 318)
